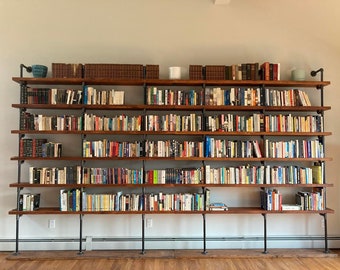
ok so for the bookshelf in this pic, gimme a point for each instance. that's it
(253, 151)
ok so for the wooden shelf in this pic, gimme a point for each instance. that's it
(231, 210)
(172, 107)
(175, 158)
(165, 82)
(190, 133)
(26, 184)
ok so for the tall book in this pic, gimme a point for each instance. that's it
(317, 174)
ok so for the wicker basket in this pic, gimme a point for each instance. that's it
(196, 72)
(215, 72)
(61, 70)
(113, 71)
(152, 72)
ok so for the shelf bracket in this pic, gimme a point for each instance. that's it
(265, 251)
(27, 68)
(320, 87)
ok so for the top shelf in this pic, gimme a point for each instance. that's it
(156, 82)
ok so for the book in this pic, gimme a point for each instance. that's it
(317, 174)
(29, 201)
(207, 199)
(292, 207)
(218, 206)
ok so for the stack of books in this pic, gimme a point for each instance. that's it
(218, 206)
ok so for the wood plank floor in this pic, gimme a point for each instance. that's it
(277, 259)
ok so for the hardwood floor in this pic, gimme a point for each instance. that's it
(179, 260)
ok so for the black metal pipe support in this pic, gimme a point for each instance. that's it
(265, 251)
(204, 235)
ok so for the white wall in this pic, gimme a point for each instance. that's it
(295, 33)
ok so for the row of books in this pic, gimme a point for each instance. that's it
(176, 202)
(291, 123)
(155, 96)
(70, 200)
(294, 149)
(66, 96)
(243, 71)
(255, 122)
(107, 148)
(292, 97)
(94, 96)
(84, 175)
(112, 176)
(39, 148)
(211, 147)
(175, 176)
(30, 121)
(271, 199)
(90, 96)
(30, 95)
(115, 123)
(234, 96)
(253, 71)
(76, 200)
(29, 201)
(264, 123)
(311, 200)
(270, 71)
(56, 175)
(218, 148)
(234, 122)
(173, 122)
(173, 148)
(31, 147)
(265, 174)
(244, 174)
(149, 202)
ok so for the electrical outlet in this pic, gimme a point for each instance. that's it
(149, 222)
(51, 223)
(322, 223)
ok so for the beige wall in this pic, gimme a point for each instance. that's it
(300, 33)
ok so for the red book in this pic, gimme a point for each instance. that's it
(265, 72)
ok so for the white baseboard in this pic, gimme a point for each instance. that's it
(91, 243)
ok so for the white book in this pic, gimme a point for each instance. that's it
(287, 207)
(31, 175)
(207, 174)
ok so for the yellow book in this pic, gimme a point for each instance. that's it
(317, 174)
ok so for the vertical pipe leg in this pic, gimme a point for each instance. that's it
(265, 233)
(325, 232)
(17, 222)
(143, 234)
(17, 235)
(204, 235)
(80, 235)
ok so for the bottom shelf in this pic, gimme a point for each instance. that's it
(231, 210)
